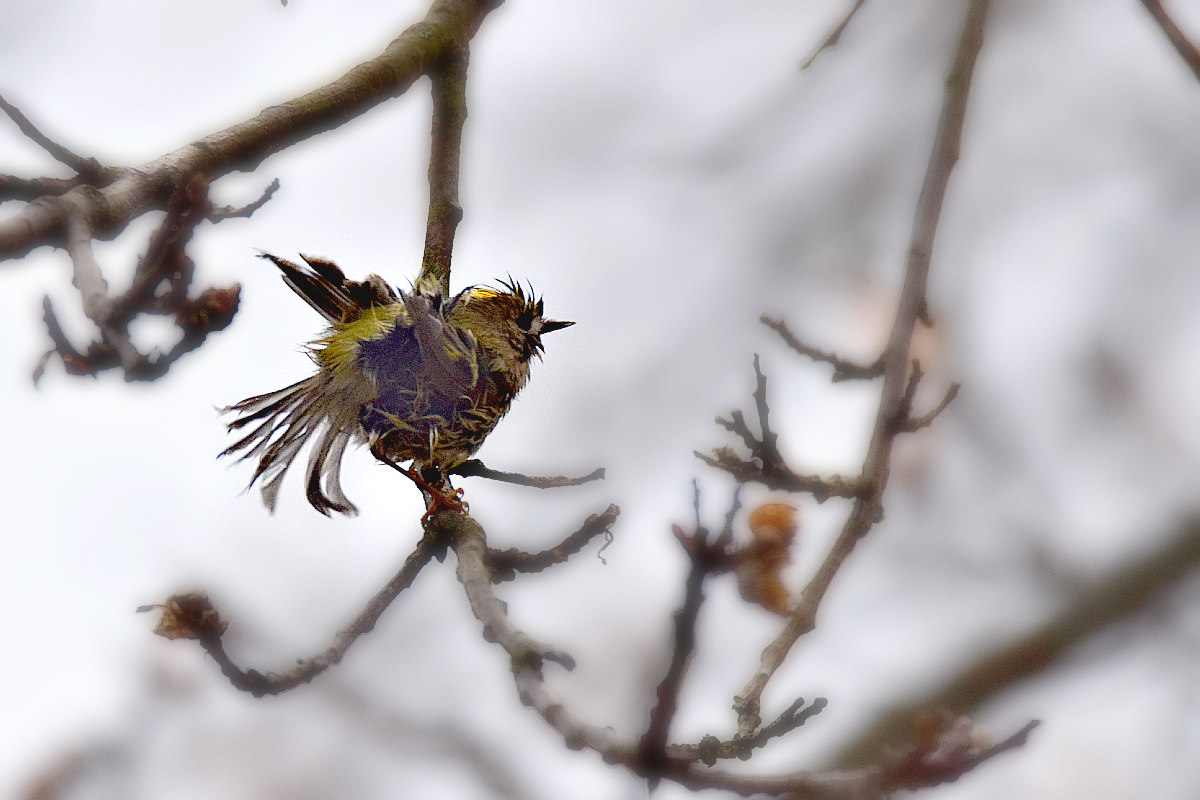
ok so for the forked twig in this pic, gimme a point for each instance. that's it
(767, 465)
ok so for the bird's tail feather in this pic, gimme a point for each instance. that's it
(286, 420)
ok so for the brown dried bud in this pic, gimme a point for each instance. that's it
(773, 527)
(189, 616)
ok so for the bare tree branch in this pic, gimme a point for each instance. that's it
(449, 115)
(471, 548)
(911, 309)
(109, 209)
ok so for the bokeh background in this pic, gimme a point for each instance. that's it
(662, 172)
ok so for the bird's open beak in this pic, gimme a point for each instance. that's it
(554, 325)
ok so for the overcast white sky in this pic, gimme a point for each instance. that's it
(662, 172)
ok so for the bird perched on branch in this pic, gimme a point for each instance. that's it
(416, 376)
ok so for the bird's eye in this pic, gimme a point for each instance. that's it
(525, 320)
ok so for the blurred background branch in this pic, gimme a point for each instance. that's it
(1107, 601)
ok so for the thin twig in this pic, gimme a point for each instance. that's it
(474, 468)
(505, 564)
(912, 424)
(652, 748)
(222, 213)
(85, 167)
(843, 370)
(835, 35)
(736, 424)
(820, 487)
(73, 361)
(768, 466)
(768, 449)
(1187, 51)
(792, 717)
(710, 749)
(725, 537)
(911, 309)
(949, 753)
(783, 480)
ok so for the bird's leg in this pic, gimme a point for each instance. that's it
(438, 498)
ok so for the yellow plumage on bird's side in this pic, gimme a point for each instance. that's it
(417, 377)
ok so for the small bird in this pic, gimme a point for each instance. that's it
(415, 376)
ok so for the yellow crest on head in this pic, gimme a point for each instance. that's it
(484, 293)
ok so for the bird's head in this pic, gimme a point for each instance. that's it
(511, 317)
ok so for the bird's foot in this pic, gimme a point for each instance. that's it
(438, 501)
